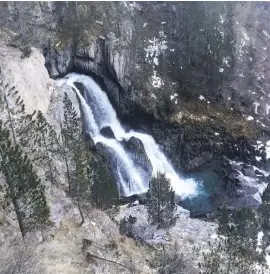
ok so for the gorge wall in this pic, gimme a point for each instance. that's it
(194, 75)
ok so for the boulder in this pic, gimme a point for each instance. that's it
(133, 199)
(242, 184)
(136, 150)
(248, 170)
(107, 132)
(79, 86)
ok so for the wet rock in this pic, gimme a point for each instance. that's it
(91, 58)
(59, 60)
(248, 170)
(79, 86)
(130, 200)
(107, 132)
(109, 158)
(118, 170)
(116, 95)
(136, 150)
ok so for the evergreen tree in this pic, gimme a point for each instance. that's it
(19, 122)
(71, 134)
(236, 252)
(104, 192)
(46, 145)
(265, 209)
(25, 131)
(76, 156)
(64, 153)
(264, 214)
(35, 135)
(81, 188)
(160, 201)
(8, 91)
(25, 190)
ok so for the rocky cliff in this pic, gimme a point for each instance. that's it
(194, 75)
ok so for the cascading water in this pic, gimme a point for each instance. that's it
(99, 113)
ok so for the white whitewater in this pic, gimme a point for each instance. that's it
(99, 113)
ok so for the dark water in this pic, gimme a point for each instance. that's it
(209, 184)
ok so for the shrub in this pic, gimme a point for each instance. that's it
(126, 226)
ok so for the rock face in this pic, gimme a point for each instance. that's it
(59, 61)
(153, 60)
(200, 91)
(35, 91)
(244, 184)
(135, 147)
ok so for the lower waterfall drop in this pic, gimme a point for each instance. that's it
(99, 113)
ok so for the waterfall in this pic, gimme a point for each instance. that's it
(99, 113)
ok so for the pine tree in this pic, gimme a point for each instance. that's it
(77, 157)
(81, 189)
(265, 209)
(19, 122)
(161, 201)
(236, 252)
(46, 145)
(71, 134)
(25, 131)
(35, 135)
(25, 190)
(7, 91)
(264, 215)
(64, 153)
(104, 192)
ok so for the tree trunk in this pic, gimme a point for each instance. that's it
(10, 118)
(19, 217)
(15, 203)
(159, 210)
(49, 160)
(80, 210)
(65, 158)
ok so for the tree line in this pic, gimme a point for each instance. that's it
(28, 142)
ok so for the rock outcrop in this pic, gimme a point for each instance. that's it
(107, 132)
(135, 147)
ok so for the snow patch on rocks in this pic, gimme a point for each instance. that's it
(155, 48)
(267, 149)
(156, 81)
(256, 106)
(266, 34)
